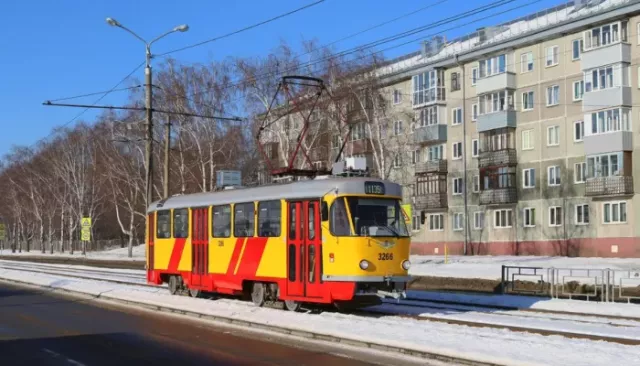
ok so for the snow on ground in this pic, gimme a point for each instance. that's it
(119, 254)
(482, 344)
(531, 302)
(490, 267)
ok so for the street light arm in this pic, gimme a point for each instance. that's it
(161, 36)
(132, 33)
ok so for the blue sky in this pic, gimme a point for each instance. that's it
(53, 49)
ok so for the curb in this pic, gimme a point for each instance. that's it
(271, 328)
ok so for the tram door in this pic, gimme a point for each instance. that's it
(304, 249)
(199, 245)
(151, 233)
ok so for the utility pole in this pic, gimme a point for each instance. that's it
(149, 109)
(167, 148)
(464, 156)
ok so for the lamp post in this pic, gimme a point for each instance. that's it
(148, 106)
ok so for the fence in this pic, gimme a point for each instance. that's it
(92, 246)
(604, 285)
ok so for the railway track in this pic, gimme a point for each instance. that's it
(583, 326)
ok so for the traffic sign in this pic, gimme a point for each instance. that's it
(86, 222)
(85, 234)
(2, 232)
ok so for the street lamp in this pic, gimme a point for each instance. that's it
(148, 105)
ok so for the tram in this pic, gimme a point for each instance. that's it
(338, 241)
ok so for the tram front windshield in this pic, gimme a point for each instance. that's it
(369, 216)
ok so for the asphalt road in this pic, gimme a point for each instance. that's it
(38, 327)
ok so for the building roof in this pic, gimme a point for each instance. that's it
(295, 190)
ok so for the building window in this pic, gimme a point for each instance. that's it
(553, 173)
(243, 219)
(553, 135)
(457, 150)
(415, 156)
(493, 66)
(614, 212)
(527, 140)
(427, 116)
(397, 161)
(552, 56)
(476, 183)
(582, 214)
(496, 102)
(578, 90)
(553, 95)
(458, 221)
(474, 76)
(555, 216)
(527, 101)
(604, 78)
(606, 165)
(579, 172)
(609, 121)
(397, 96)
(457, 116)
(474, 112)
(475, 146)
(529, 214)
(269, 215)
(503, 218)
(577, 45)
(436, 222)
(605, 35)
(415, 222)
(526, 62)
(455, 81)
(397, 128)
(435, 153)
(457, 186)
(478, 220)
(578, 131)
(428, 87)
(528, 178)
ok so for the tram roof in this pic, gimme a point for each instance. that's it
(295, 190)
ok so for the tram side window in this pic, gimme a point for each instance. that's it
(269, 215)
(243, 220)
(164, 224)
(180, 223)
(221, 221)
(339, 224)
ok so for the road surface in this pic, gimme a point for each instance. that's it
(38, 327)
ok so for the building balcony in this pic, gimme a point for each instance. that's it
(429, 134)
(502, 81)
(506, 157)
(603, 143)
(429, 97)
(492, 121)
(606, 55)
(609, 186)
(499, 196)
(605, 98)
(433, 166)
(431, 201)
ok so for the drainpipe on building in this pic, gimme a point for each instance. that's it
(464, 155)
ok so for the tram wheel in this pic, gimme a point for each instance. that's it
(193, 292)
(292, 305)
(257, 293)
(173, 285)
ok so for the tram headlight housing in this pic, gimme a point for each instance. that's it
(364, 264)
(406, 265)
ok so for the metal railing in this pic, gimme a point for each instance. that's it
(590, 284)
(609, 186)
(499, 196)
(431, 166)
(505, 157)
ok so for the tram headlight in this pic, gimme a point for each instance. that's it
(406, 265)
(364, 264)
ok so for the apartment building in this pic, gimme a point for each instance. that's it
(524, 135)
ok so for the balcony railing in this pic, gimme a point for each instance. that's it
(434, 166)
(498, 196)
(430, 133)
(504, 157)
(609, 186)
(431, 201)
